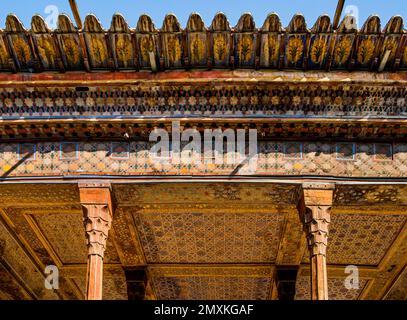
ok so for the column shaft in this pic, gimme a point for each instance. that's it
(97, 210)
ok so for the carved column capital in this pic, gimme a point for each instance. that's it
(317, 219)
(97, 221)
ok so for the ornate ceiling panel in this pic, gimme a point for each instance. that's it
(220, 46)
(186, 193)
(114, 285)
(209, 238)
(22, 265)
(398, 291)
(361, 239)
(337, 289)
(379, 195)
(65, 233)
(39, 194)
(212, 283)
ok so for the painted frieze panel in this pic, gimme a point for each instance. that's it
(5, 58)
(172, 42)
(245, 41)
(45, 42)
(367, 43)
(296, 45)
(147, 42)
(197, 41)
(21, 44)
(320, 43)
(344, 43)
(70, 44)
(272, 39)
(122, 43)
(95, 38)
(220, 40)
(393, 41)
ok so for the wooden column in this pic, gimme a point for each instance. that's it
(317, 216)
(97, 209)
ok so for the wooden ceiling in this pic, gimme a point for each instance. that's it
(218, 46)
(201, 240)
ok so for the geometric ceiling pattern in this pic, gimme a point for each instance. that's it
(210, 237)
(202, 240)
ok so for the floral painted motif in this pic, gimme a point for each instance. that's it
(390, 44)
(366, 50)
(219, 47)
(174, 49)
(46, 50)
(318, 50)
(405, 55)
(342, 50)
(294, 50)
(22, 50)
(98, 49)
(3, 53)
(147, 45)
(71, 51)
(271, 48)
(123, 50)
(197, 49)
(245, 48)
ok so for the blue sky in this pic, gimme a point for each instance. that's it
(157, 9)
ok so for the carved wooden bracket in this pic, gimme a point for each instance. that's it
(97, 221)
(317, 219)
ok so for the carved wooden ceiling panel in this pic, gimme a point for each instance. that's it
(224, 193)
(217, 283)
(27, 272)
(210, 237)
(169, 223)
(39, 194)
(361, 239)
(65, 233)
(337, 289)
(371, 194)
(114, 285)
(399, 289)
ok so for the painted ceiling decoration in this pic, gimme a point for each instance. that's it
(218, 46)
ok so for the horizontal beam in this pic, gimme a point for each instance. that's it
(52, 79)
